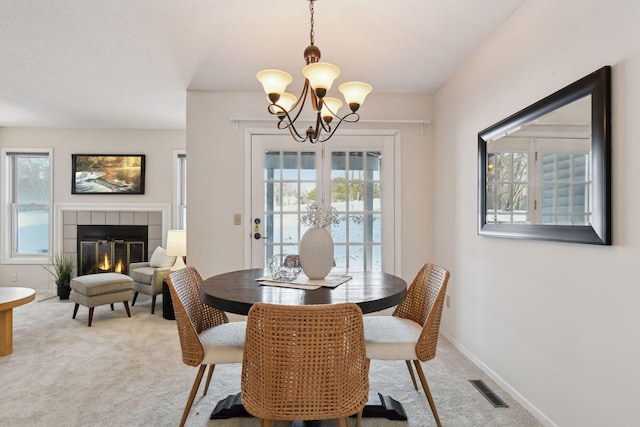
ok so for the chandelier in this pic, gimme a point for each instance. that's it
(319, 77)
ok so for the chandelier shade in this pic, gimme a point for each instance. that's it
(330, 107)
(355, 93)
(274, 82)
(319, 78)
(287, 101)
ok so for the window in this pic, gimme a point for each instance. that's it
(180, 190)
(507, 184)
(27, 205)
(547, 182)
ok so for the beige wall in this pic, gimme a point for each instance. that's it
(157, 145)
(216, 181)
(555, 323)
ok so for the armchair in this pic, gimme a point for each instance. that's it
(148, 276)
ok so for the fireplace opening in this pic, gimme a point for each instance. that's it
(110, 248)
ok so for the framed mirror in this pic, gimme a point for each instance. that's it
(545, 172)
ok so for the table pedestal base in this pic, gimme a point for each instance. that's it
(378, 406)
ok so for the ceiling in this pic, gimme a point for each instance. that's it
(129, 63)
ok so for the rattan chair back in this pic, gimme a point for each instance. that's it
(423, 304)
(304, 362)
(192, 316)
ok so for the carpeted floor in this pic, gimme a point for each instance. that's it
(129, 372)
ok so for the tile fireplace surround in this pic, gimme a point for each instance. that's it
(156, 217)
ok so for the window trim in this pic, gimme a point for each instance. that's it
(177, 221)
(6, 224)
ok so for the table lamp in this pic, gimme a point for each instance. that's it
(177, 247)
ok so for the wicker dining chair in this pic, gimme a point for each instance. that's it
(411, 332)
(305, 363)
(206, 335)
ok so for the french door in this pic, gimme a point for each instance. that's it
(355, 174)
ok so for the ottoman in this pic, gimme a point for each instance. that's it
(99, 289)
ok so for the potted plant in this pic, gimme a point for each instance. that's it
(62, 269)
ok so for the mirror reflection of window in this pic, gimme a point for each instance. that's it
(507, 187)
(566, 187)
(540, 173)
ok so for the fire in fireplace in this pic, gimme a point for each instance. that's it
(110, 248)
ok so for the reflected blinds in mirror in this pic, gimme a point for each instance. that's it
(565, 198)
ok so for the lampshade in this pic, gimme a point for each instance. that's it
(177, 247)
(355, 93)
(334, 105)
(274, 82)
(321, 76)
(286, 101)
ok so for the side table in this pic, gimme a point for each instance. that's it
(11, 297)
(167, 304)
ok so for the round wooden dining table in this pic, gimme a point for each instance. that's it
(237, 291)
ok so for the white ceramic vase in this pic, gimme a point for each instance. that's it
(316, 253)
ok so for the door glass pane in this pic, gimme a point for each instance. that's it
(290, 228)
(290, 166)
(272, 165)
(338, 166)
(308, 166)
(356, 195)
(356, 228)
(290, 184)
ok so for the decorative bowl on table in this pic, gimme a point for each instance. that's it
(285, 268)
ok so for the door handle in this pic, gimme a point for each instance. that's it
(256, 230)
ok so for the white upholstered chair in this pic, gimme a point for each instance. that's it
(148, 276)
(411, 332)
(206, 335)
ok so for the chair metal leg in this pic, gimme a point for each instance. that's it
(135, 297)
(192, 395)
(425, 387)
(413, 377)
(153, 304)
(90, 316)
(209, 375)
(75, 310)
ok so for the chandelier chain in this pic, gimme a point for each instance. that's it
(311, 34)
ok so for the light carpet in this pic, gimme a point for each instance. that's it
(129, 372)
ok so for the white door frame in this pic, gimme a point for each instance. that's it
(397, 226)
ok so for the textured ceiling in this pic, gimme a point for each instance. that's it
(129, 63)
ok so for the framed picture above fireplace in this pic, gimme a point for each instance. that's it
(107, 173)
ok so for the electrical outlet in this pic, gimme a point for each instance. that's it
(14, 277)
(448, 301)
(237, 219)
